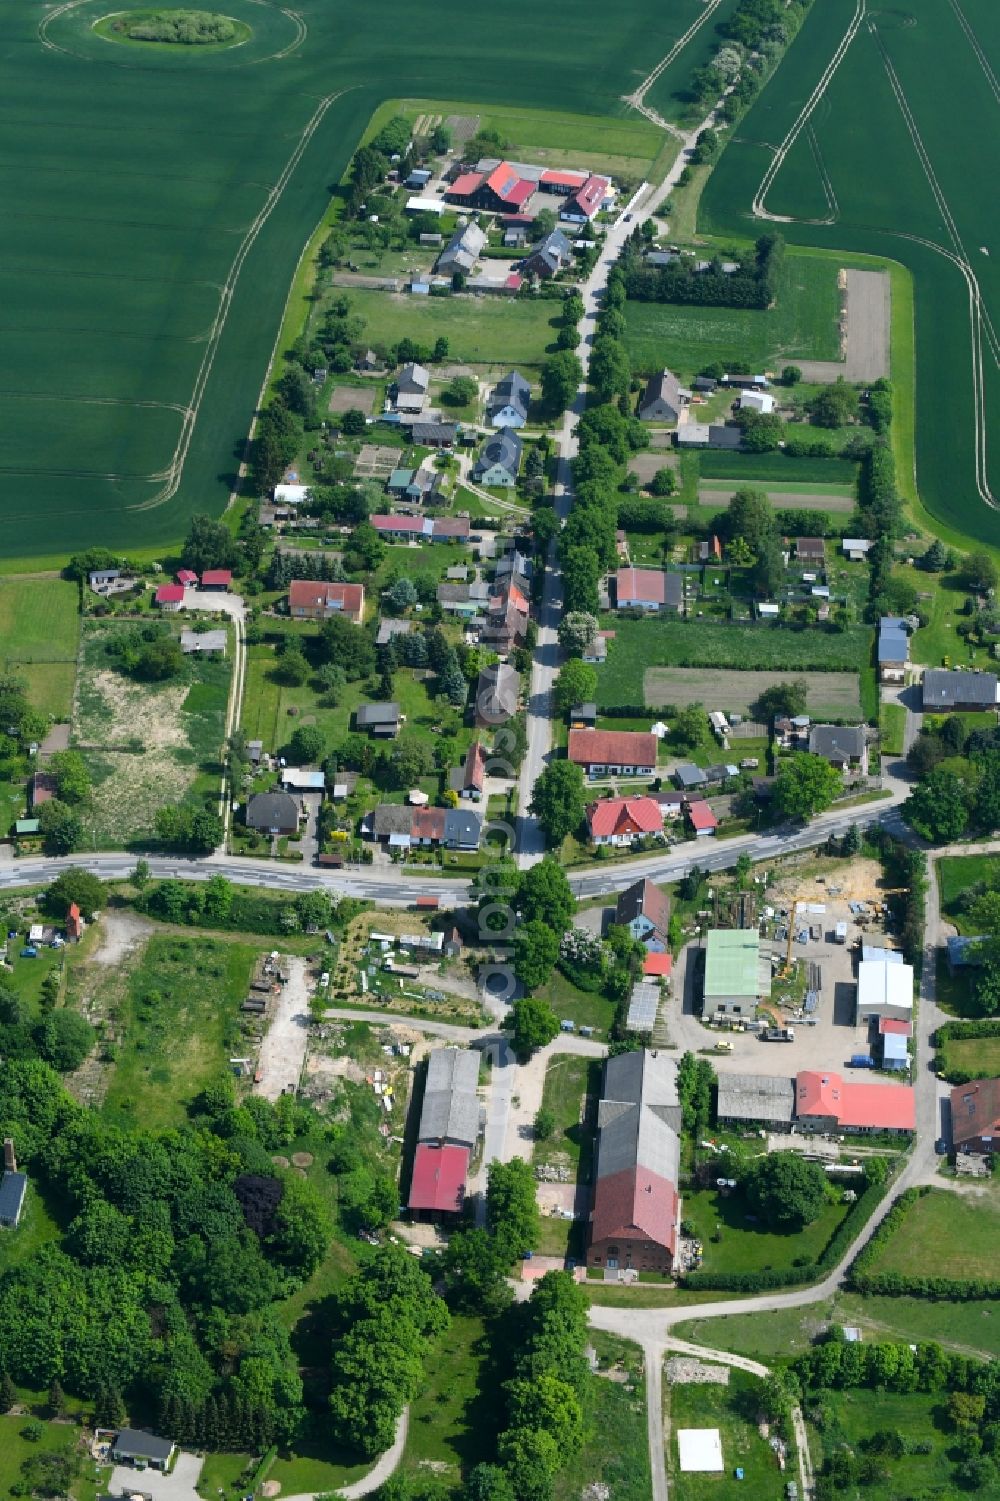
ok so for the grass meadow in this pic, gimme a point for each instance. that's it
(956, 874)
(642, 644)
(882, 204)
(946, 1234)
(611, 1407)
(40, 632)
(146, 744)
(479, 330)
(731, 1409)
(802, 324)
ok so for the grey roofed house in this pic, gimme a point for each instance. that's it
(450, 1111)
(390, 627)
(513, 564)
(133, 1444)
(660, 257)
(380, 719)
(413, 379)
(756, 1097)
(13, 1186)
(273, 813)
(943, 689)
(725, 435)
(203, 641)
(837, 743)
(387, 819)
(705, 384)
(463, 249)
(497, 691)
(453, 594)
(508, 401)
(687, 775)
(661, 400)
(550, 255)
(463, 829)
(502, 451)
(639, 1116)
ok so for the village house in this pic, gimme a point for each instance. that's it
(549, 256)
(662, 400)
(498, 689)
(169, 597)
(136, 1447)
(975, 1117)
(381, 720)
(472, 774)
(648, 589)
(507, 404)
(506, 618)
(844, 746)
(273, 813)
(586, 203)
(310, 599)
(434, 434)
(634, 1219)
(498, 461)
(725, 435)
(615, 752)
(644, 909)
(824, 1102)
(619, 821)
(413, 485)
(756, 401)
(462, 251)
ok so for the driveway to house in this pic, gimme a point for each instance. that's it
(233, 606)
(180, 1485)
(283, 1051)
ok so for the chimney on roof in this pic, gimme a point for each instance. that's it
(9, 1159)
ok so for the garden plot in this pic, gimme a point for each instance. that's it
(146, 744)
(352, 399)
(836, 694)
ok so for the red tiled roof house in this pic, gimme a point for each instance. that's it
(621, 752)
(310, 599)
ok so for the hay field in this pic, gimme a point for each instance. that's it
(156, 203)
(39, 635)
(917, 81)
(833, 694)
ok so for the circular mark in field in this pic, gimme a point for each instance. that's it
(250, 31)
(187, 32)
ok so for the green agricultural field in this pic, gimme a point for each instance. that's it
(914, 199)
(801, 325)
(640, 644)
(159, 200)
(669, 94)
(761, 468)
(181, 1018)
(945, 1235)
(479, 330)
(40, 632)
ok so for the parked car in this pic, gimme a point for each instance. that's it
(29, 951)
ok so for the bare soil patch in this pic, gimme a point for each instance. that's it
(865, 340)
(800, 500)
(834, 693)
(352, 398)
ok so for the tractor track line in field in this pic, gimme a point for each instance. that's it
(637, 99)
(176, 467)
(976, 45)
(959, 256)
(801, 121)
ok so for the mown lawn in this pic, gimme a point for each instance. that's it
(956, 875)
(181, 1020)
(754, 468)
(584, 1007)
(571, 1084)
(729, 1408)
(39, 635)
(942, 600)
(56, 1438)
(945, 1235)
(743, 1246)
(892, 726)
(802, 324)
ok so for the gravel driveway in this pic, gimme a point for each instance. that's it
(283, 1051)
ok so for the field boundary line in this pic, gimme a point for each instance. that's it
(637, 99)
(800, 122)
(176, 468)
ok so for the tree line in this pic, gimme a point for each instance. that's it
(753, 285)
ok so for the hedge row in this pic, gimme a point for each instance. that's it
(794, 1276)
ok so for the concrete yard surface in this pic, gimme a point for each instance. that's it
(180, 1485)
(283, 1050)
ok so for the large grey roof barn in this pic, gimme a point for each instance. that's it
(450, 1111)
